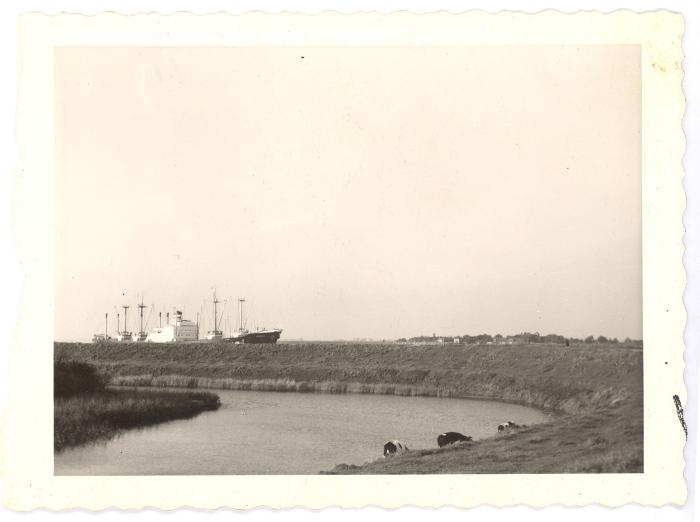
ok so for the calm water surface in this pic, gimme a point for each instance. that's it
(288, 433)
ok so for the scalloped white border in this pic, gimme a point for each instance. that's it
(27, 454)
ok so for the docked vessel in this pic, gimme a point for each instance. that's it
(179, 329)
(257, 337)
(260, 336)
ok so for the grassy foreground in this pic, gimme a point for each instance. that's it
(596, 389)
(85, 411)
(591, 443)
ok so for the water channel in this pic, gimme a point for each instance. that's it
(288, 433)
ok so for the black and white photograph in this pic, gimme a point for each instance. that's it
(437, 251)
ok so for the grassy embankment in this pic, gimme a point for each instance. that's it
(597, 391)
(86, 411)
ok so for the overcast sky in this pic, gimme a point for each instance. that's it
(352, 192)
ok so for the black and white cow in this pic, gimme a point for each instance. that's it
(450, 437)
(394, 447)
(507, 426)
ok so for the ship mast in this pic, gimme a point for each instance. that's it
(240, 312)
(118, 323)
(141, 307)
(125, 307)
(216, 301)
(105, 327)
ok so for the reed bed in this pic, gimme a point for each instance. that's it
(574, 379)
(86, 411)
(277, 385)
(80, 419)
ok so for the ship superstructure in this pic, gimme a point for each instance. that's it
(178, 330)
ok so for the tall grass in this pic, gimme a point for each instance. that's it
(85, 411)
(76, 378)
(86, 418)
(574, 379)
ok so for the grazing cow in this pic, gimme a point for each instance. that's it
(451, 437)
(394, 447)
(507, 426)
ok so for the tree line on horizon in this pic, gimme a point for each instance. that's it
(522, 338)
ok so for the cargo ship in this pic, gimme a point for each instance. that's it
(259, 336)
(180, 330)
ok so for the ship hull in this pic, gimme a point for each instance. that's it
(263, 337)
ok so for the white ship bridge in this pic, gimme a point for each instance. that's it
(178, 330)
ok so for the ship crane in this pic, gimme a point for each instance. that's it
(241, 328)
(141, 336)
(215, 334)
(102, 337)
(125, 335)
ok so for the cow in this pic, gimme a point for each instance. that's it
(394, 447)
(450, 437)
(507, 426)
